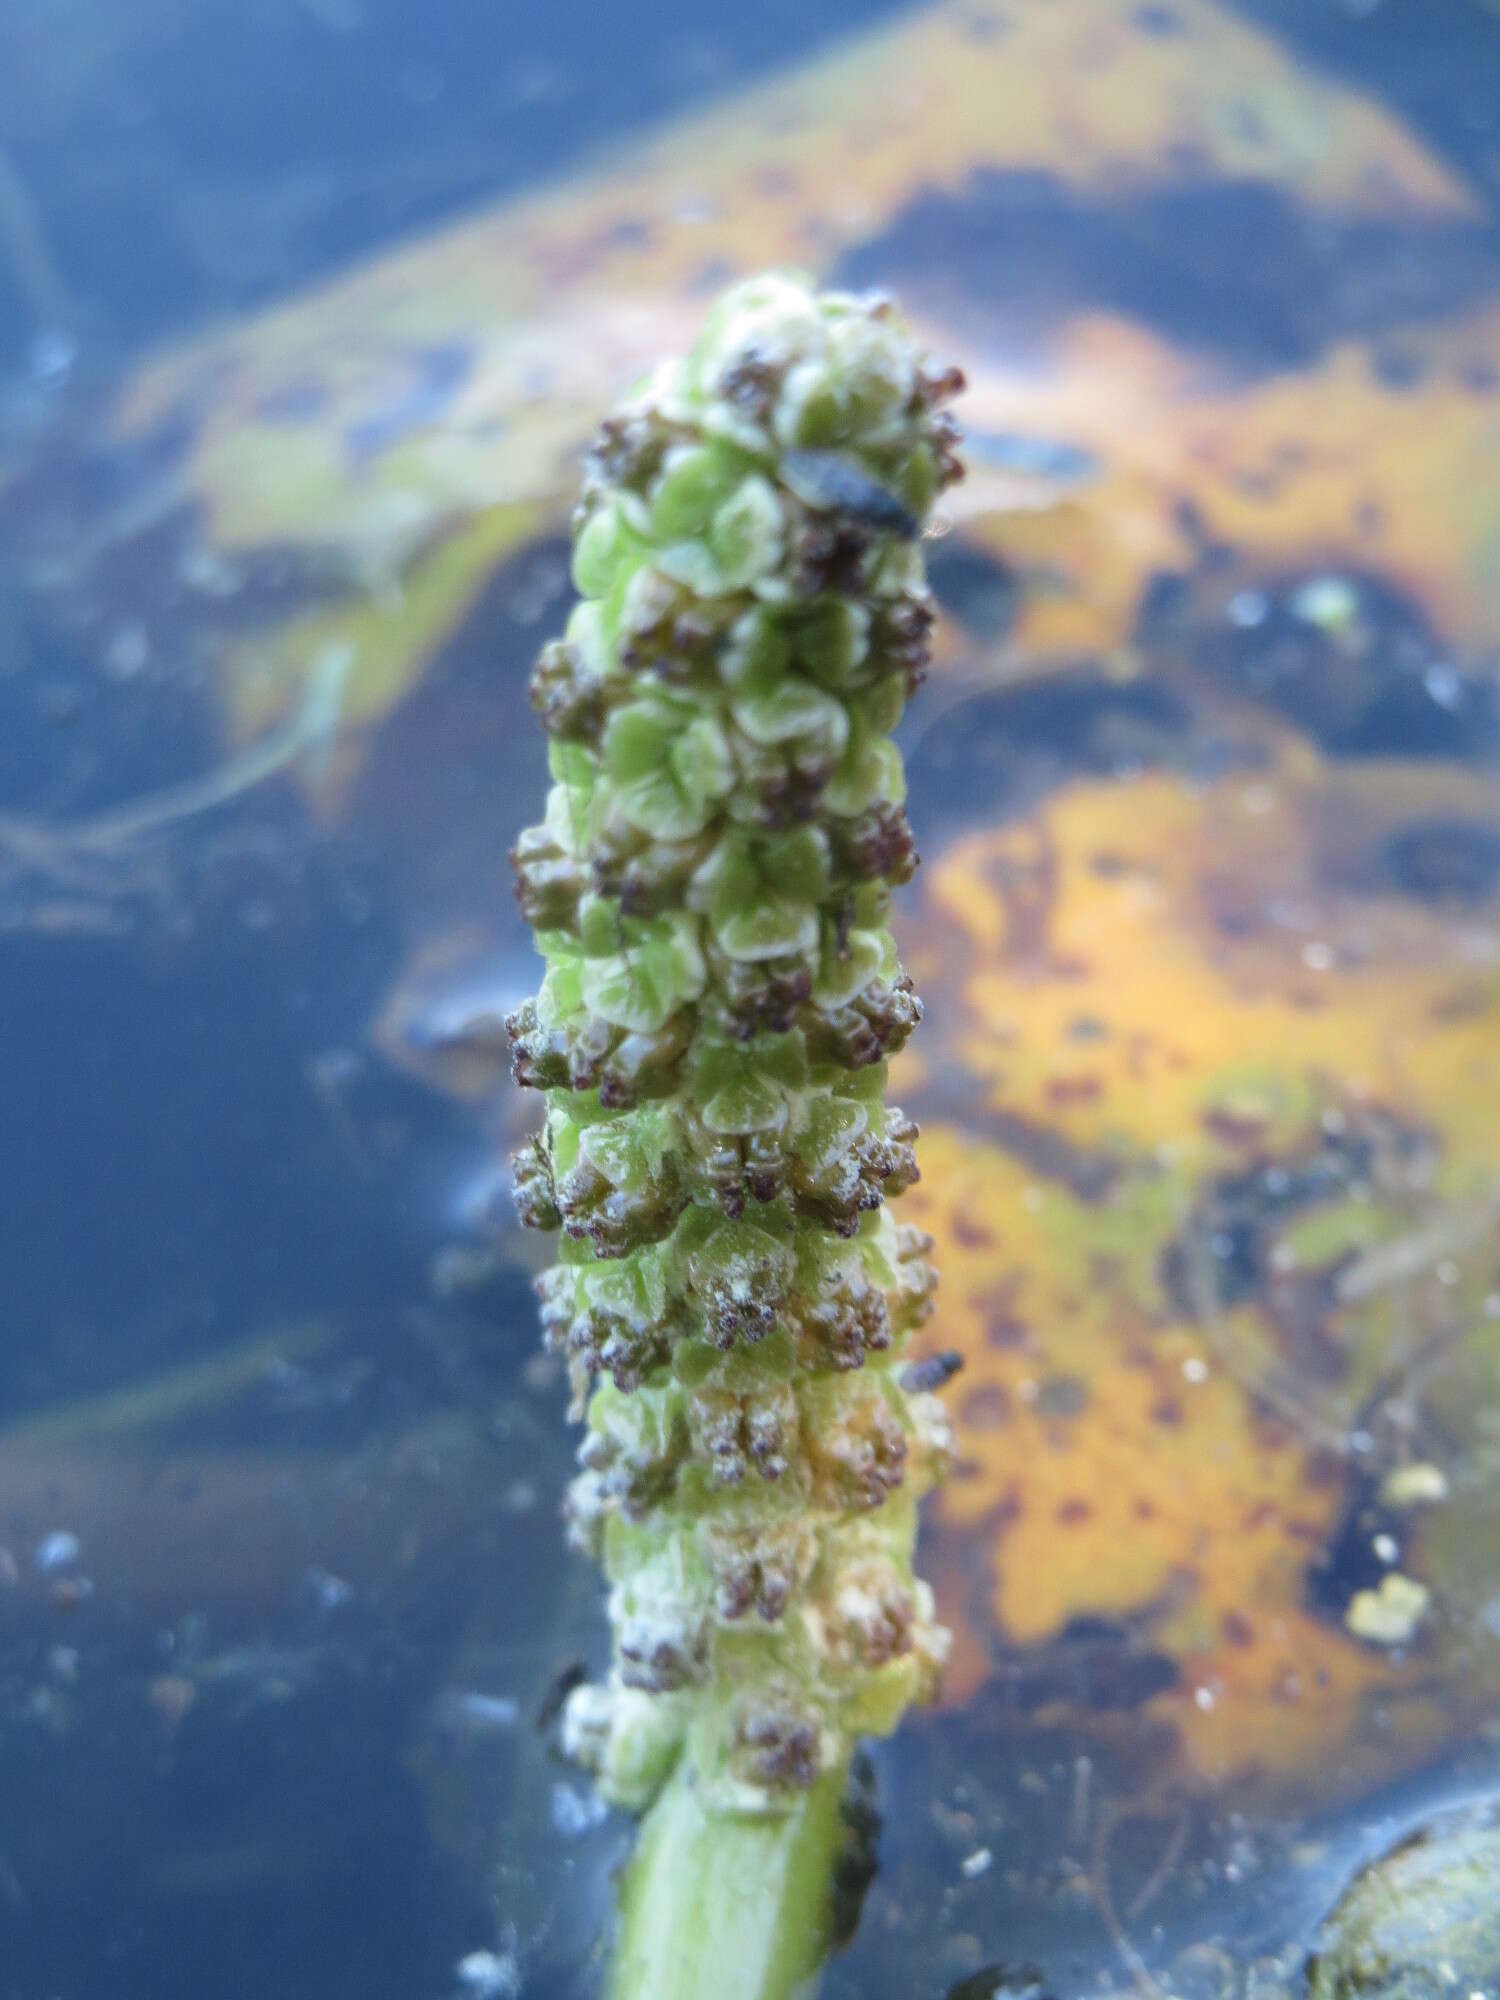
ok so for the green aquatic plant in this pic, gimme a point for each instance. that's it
(710, 888)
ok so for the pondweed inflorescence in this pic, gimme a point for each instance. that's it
(710, 889)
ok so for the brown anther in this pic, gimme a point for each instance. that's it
(779, 1745)
(736, 1431)
(845, 1322)
(875, 845)
(661, 1653)
(943, 386)
(532, 1187)
(752, 382)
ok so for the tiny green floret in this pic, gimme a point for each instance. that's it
(710, 888)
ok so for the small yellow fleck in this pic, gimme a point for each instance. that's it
(1390, 1615)
(1415, 1485)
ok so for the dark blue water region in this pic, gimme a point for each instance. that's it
(179, 160)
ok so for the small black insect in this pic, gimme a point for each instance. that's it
(932, 1371)
(832, 483)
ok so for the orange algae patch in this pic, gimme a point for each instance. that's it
(1227, 976)
(1152, 992)
(1147, 1496)
(1323, 466)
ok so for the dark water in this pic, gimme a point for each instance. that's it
(187, 161)
(281, 1591)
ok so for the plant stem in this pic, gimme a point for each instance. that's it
(737, 1905)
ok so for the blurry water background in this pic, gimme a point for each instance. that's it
(282, 1584)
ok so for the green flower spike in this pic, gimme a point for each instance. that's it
(710, 889)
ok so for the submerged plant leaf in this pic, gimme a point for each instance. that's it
(1217, 1199)
(442, 394)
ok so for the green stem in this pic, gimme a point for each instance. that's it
(737, 1905)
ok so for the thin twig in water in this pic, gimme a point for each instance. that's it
(1267, 1388)
(1098, 1887)
(1157, 1880)
(74, 854)
(1411, 1256)
(1109, 1821)
(32, 264)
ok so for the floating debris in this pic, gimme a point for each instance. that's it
(171, 1695)
(1415, 1485)
(1248, 609)
(467, 1711)
(57, 1550)
(330, 1592)
(1329, 602)
(576, 1810)
(1000, 1982)
(1391, 1614)
(488, 1975)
